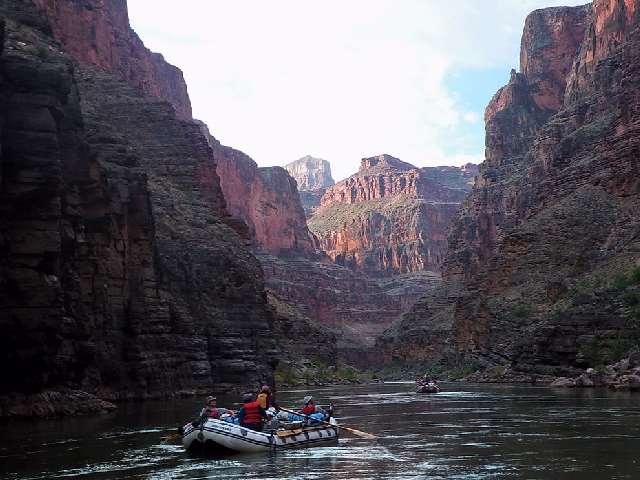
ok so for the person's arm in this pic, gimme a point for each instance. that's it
(241, 415)
(263, 412)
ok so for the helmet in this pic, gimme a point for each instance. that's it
(266, 389)
(210, 398)
(307, 399)
(247, 397)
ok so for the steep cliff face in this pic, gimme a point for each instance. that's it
(390, 217)
(313, 176)
(97, 32)
(266, 199)
(118, 277)
(543, 250)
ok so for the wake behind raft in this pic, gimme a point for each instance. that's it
(213, 433)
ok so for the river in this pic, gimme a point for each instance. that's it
(465, 432)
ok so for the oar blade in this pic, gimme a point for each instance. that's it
(368, 436)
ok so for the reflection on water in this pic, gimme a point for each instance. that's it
(465, 432)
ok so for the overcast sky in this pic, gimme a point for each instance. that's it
(341, 79)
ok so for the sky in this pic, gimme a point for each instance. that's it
(341, 79)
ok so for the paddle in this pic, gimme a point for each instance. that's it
(348, 429)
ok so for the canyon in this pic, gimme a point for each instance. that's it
(540, 278)
(142, 258)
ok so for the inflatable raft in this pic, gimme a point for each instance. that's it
(429, 388)
(214, 434)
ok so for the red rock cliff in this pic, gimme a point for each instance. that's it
(98, 32)
(266, 199)
(390, 217)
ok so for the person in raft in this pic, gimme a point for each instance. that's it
(211, 409)
(266, 399)
(251, 414)
(309, 407)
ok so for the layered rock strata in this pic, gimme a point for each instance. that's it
(390, 217)
(356, 307)
(119, 277)
(544, 247)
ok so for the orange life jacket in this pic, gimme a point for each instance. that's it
(263, 400)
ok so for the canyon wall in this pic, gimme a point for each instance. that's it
(542, 260)
(357, 308)
(265, 199)
(390, 217)
(119, 276)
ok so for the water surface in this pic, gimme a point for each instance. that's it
(465, 432)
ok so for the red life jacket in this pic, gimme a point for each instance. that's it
(252, 413)
(212, 412)
(309, 409)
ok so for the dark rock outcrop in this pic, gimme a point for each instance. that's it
(119, 277)
(390, 217)
(544, 248)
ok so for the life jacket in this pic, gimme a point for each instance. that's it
(212, 412)
(252, 413)
(309, 409)
(263, 400)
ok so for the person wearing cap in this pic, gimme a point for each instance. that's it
(309, 406)
(211, 409)
(251, 413)
(266, 398)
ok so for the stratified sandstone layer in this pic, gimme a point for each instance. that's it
(390, 217)
(544, 248)
(119, 277)
(97, 32)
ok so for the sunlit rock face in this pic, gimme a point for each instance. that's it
(265, 199)
(97, 32)
(538, 269)
(119, 277)
(390, 217)
(311, 173)
(313, 176)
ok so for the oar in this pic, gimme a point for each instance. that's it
(348, 429)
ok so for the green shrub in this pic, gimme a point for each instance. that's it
(285, 375)
(522, 310)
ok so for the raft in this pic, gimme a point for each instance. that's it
(430, 388)
(217, 433)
